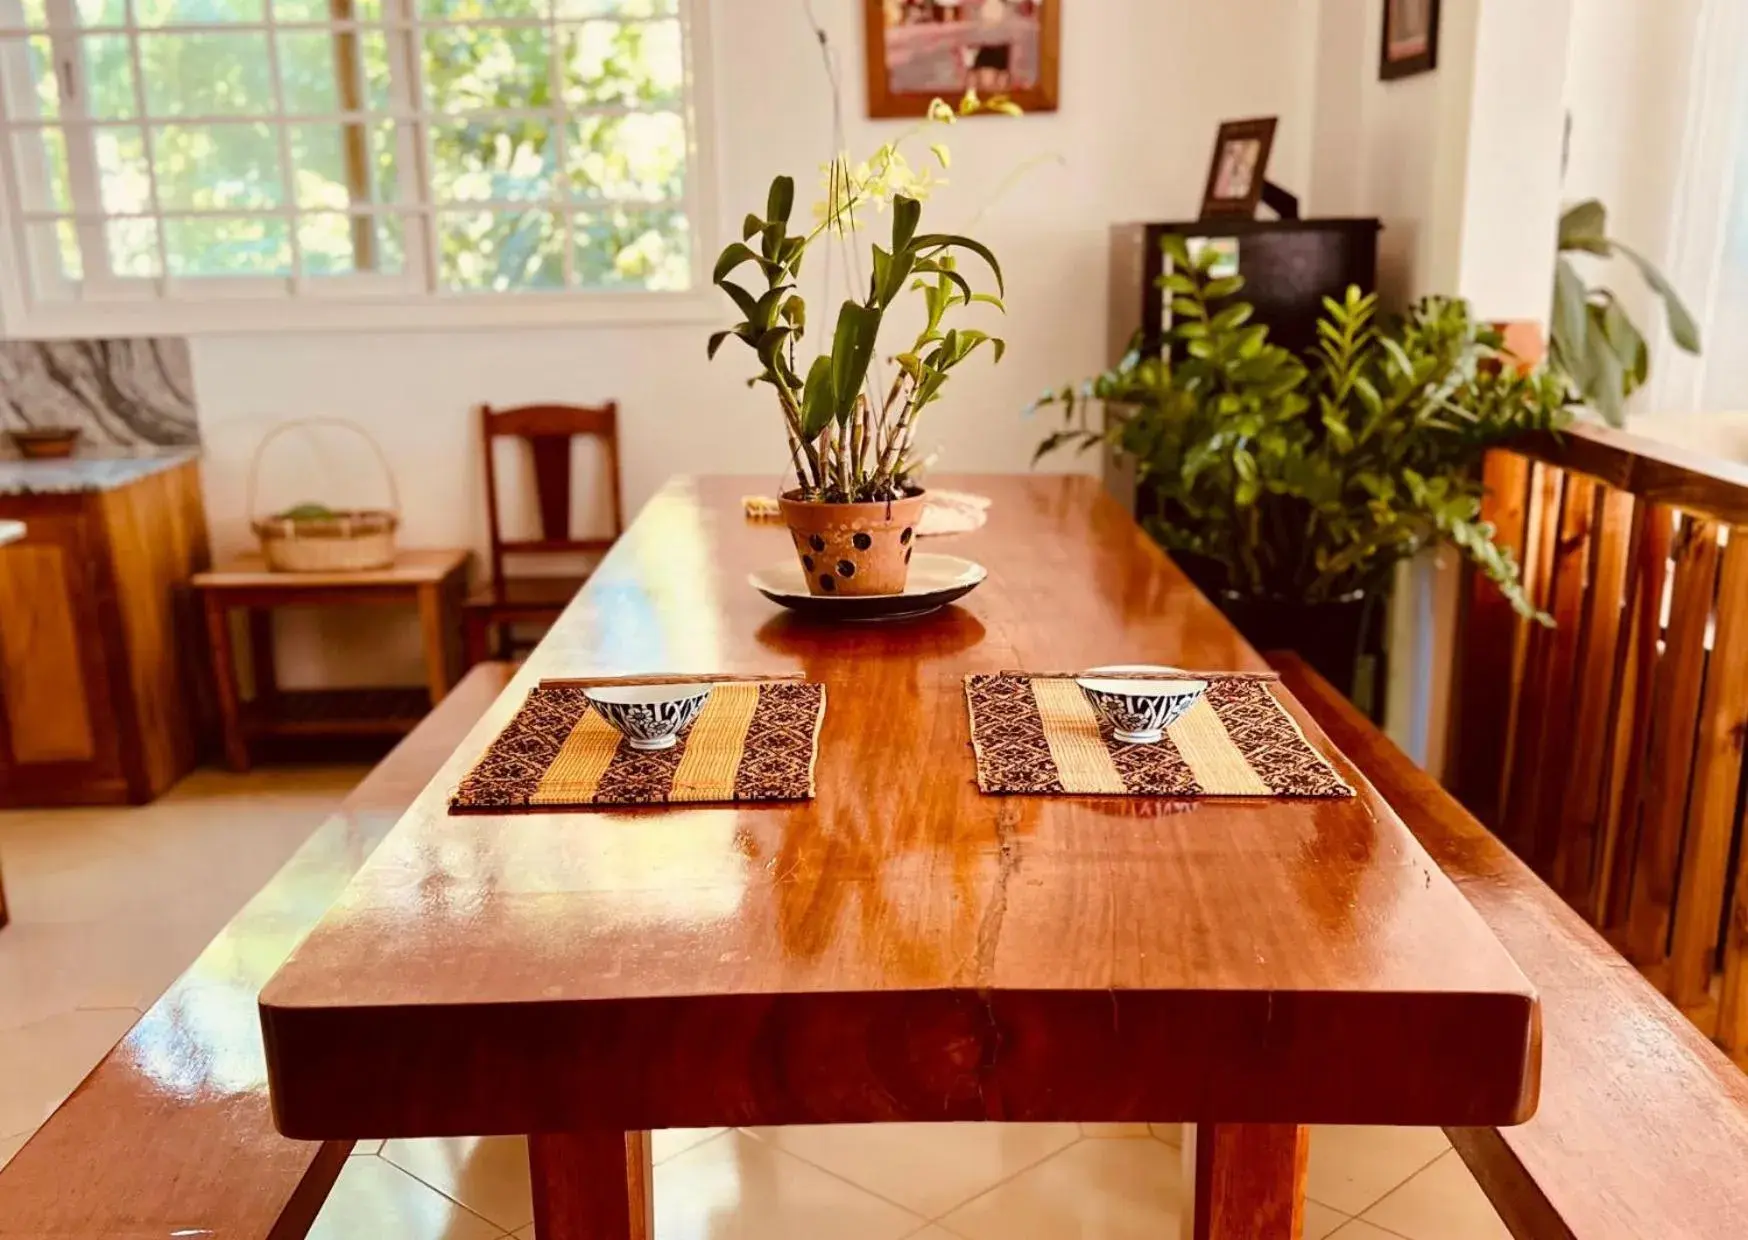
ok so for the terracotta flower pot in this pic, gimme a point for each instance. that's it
(854, 548)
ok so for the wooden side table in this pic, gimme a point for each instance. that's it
(432, 581)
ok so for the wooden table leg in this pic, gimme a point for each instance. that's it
(261, 666)
(592, 1185)
(1249, 1181)
(436, 623)
(224, 677)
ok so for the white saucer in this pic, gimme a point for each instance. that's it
(935, 580)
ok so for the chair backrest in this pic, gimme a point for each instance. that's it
(549, 431)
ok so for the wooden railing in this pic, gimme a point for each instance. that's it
(1607, 751)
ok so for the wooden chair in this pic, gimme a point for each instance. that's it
(549, 431)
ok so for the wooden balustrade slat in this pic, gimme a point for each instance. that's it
(1551, 768)
(1732, 1026)
(1717, 777)
(1599, 701)
(1680, 681)
(1489, 635)
(1652, 536)
(1535, 642)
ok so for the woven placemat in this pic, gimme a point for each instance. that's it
(751, 742)
(1036, 734)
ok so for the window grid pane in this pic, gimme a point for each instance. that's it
(511, 145)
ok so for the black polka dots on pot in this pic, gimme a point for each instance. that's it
(904, 538)
(817, 543)
(807, 562)
(846, 568)
(863, 542)
(907, 552)
(826, 583)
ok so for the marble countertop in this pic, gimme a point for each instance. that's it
(83, 473)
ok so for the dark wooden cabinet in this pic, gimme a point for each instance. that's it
(1289, 267)
(97, 680)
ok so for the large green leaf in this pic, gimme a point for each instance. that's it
(734, 255)
(743, 300)
(852, 351)
(1625, 339)
(1583, 222)
(907, 213)
(816, 397)
(1682, 327)
(781, 200)
(1570, 324)
(1607, 388)
(941, 241)
(890, 273)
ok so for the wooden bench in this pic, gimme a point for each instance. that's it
(171, 1134)
(1642, 1132)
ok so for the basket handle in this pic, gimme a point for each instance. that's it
(394, 492)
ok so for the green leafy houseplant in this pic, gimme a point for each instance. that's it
(849, 440)
(1592, 338)
(1307, 481)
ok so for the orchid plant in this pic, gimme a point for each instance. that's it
(849, 441)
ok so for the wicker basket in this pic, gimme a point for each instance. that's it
(349, 541)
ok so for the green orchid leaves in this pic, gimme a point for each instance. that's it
(845, 440)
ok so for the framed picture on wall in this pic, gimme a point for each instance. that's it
(1410, 42)
(1240, 167)
(921, 50)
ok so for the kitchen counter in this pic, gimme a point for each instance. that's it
(97, 676)
(86, 474)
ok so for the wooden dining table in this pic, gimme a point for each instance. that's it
(901, 947)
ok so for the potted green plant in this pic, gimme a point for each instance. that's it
(1289, 489)
(1591, 337)
(851, 429)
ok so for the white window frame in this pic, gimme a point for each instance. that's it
(165, 305)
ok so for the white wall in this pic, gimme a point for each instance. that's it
(1628, 74)
(1463, 166)
(1144, 84)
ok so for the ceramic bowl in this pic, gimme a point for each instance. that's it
(1139, 711)
(650, 717)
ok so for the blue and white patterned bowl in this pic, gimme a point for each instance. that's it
(1139, 711)
(650, 717)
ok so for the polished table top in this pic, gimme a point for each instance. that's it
(902, 946)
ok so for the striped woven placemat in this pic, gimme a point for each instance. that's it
(1039, 734)
(753, 741)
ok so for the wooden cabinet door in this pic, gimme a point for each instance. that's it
(58, 725)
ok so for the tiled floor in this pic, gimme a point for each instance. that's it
(109, 905)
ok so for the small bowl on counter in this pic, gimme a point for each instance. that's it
(44, 443)
(1139, 710)
(649, 717)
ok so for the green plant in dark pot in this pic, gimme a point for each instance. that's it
(1289, 489)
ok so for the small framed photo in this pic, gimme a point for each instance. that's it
(922, 50)
(1241, 161)
(1410, 40)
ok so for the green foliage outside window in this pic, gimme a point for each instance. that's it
(618, 175)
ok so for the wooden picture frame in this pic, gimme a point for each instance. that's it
(987, 63)
(1408, 43)
(1239, 168)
